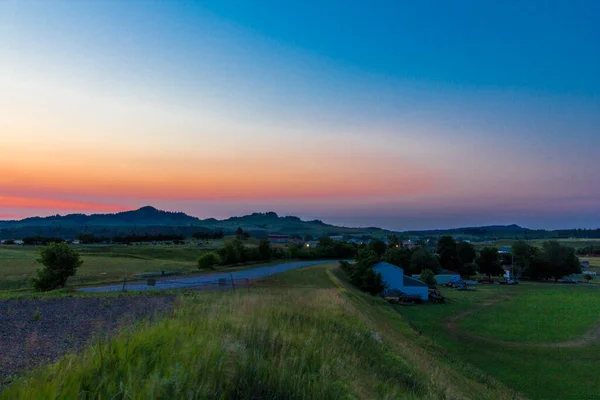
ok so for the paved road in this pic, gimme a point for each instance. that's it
(207, 280)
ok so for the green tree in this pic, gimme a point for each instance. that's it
(466, 252)
(448, 252)
(488, 262)
(560, 260)
(378, 247)
(325, 241)
(60, 262)
(393, 241)
(428, 276)
(398, 256)
(208, 260)
(264, 249)
(523, 255)
(422, 259)
(233, 252)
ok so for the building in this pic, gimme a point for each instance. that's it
(279, 238)
(445, 276)
(409, 244)
(337, 238)
(393, 276)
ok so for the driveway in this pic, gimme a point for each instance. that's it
(239, 277)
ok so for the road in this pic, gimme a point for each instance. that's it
(210, 280)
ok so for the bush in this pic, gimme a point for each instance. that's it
(428, 277)
(264, 249)
(60, 262)
(208, 260)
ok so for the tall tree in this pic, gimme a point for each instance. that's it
(398, 256)
(560, 260)
(466, 252)
(448, 253)
(393, 241)
(378, 247)
(422, 259)
(264, 249)
(523, 255)
(488, 261)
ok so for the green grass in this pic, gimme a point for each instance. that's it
(18, 265)
(547, 314)
(105, 264)
(323, 342)
(537, 372)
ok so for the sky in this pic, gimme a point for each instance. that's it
(398, 114)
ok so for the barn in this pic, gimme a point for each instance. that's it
(395, 279)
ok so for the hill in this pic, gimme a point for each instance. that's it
(150, 220)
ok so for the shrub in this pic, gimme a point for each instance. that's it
(428, 277)
(60, 262)
(208, 260)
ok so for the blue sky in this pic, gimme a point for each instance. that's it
(400, 114)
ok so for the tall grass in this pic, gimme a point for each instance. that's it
(234, 346)
(325, 342)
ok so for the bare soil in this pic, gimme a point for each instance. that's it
(39, 331)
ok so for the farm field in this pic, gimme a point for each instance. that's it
(532, 337)
(101, 263)
(18, 264)
(313, 338)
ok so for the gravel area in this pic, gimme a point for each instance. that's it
(39, 331)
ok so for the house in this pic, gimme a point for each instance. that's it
(393, 276)
(279, 238)
(445, 276)
(337, 238)
(409, 244)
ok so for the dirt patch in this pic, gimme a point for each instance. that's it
(39, 331)
(453, 329)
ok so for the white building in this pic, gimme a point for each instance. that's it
(445, 276)
(395, 279)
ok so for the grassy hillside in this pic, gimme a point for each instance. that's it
(315, 341)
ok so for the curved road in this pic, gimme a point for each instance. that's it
(206, 280)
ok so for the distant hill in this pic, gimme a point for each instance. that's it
(150, 220)
(475, 230)
(145, 216)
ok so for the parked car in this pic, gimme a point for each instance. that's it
(485, 280)
(568, 280)
(454, 280)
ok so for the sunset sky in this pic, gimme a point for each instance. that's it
(399, 114)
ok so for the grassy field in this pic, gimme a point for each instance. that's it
(547, 314)
(498, 320)
(104, 263)
(100, 263)
(320, 342)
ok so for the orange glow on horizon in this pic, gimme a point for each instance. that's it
(253, 177)
(37, 203)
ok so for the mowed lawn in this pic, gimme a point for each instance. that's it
(537, 372)
(100, 264)
(547, 314)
